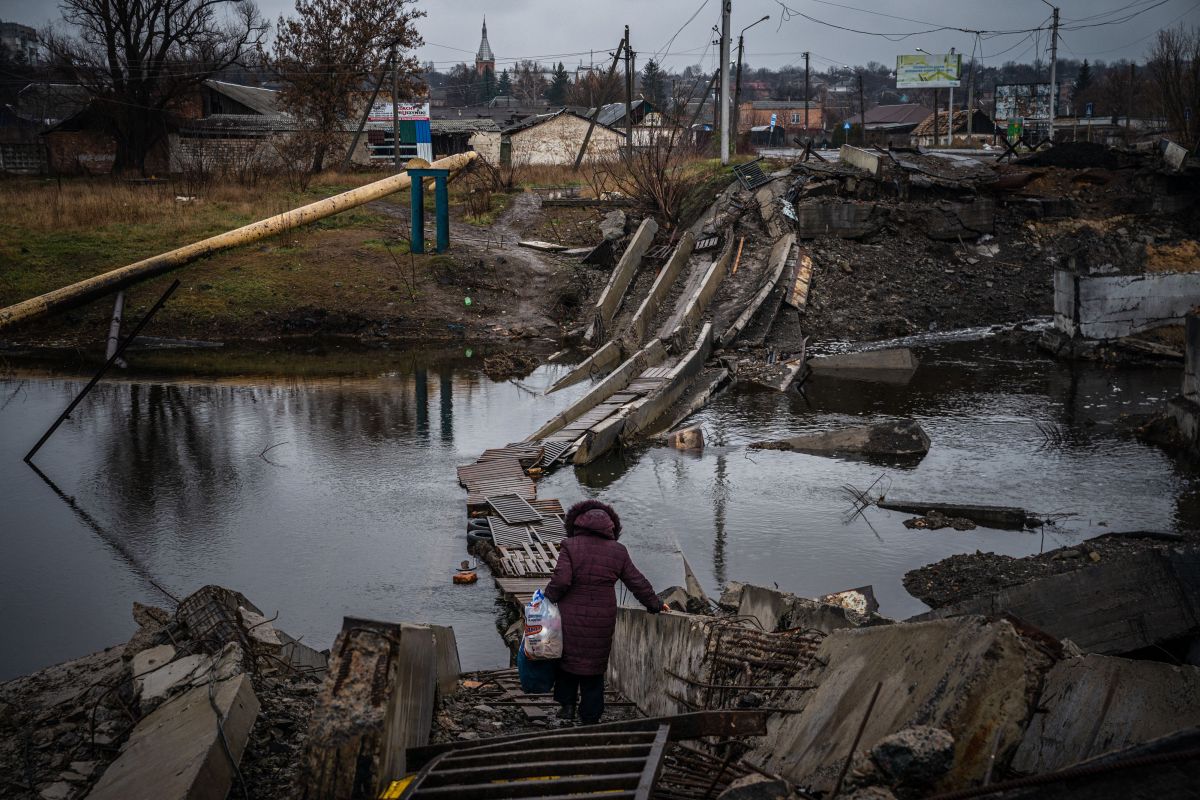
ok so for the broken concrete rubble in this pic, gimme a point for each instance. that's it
(179, 751)
(975, 679)
(1003, 517)
(894, 365)
(904, 438)
(1112, 607)
(1127, 703)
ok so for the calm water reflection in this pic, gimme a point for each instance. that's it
(321, 498)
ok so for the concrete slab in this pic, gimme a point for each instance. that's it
(1126, 702)
(891, 360)
(1116, 306)
(1002, 517)
(899, 438)
(1111, 608)
(176, 751)
(645, 646)
(844, 220)
(158, 684)
(862, 159)
(622, 274)
(976, 679)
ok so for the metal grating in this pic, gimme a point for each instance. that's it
(750, 175)
(513, 509)
(621, 766)
(505, 535)
(707, 243)
(553, 451)
(550, 529)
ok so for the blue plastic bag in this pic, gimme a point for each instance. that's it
(537, 676)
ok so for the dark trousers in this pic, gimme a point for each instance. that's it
(586, 690)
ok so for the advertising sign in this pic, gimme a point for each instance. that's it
(381, 112)
(1022, 100)
(928, 71)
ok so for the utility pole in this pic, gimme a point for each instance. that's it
(612, 70)
(806, 96)
(737, 94)
(971, 98)
(628, 98)
(935, 117)
(362, 122)
(726, 10)
(1053, 65)
(950, 109)
(1129, 108)
(862, 113)
(395, 112)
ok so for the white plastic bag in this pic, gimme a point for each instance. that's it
(543, 628)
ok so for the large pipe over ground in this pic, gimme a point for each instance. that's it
(114, 280)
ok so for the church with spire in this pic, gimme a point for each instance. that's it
(485, 61)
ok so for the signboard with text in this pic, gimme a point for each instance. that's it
(928, 71)
(381, 112)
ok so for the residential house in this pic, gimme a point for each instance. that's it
(555, 138)
(984, 130)
(791, 114)
(891, 125)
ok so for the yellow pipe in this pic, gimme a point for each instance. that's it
(98, 285)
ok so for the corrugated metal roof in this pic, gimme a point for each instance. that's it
(900, 113)
(775, 105)
(464, 125)
(264, 101)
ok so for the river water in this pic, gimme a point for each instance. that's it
(320, 496)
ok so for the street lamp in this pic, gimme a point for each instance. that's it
(737, 89)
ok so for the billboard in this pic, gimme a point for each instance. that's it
(1028, 101)
(381, 112)
(928, 71)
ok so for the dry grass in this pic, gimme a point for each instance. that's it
(47, 205)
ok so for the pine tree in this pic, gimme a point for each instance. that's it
(560, 82)
(653, 84)
(504, 87)
(487, 85)
(1084, 78)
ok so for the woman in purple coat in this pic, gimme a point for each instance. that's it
(590, 562)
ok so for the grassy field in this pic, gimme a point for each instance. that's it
(332, 276)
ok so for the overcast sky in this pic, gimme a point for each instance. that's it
(566, 30)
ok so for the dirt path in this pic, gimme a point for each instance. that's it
(523, 289)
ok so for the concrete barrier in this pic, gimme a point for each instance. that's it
(649, 356)
(862, 159)
(645, 646)
(598, 363)
(976, 679)
(690, 308)
(643, 412)
(610, 299)
(1115, 306)
(662, 286)
(775, 264)
(776, 610)
(176, 753)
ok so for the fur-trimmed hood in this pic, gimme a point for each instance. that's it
(581, 508)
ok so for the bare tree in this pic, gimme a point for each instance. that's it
(1174, 68)
(528, 82)
(594, 88)
(141, 59)
(327, 54)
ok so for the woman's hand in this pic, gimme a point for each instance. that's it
(666, 609)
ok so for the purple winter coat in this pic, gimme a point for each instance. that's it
(590, 562)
